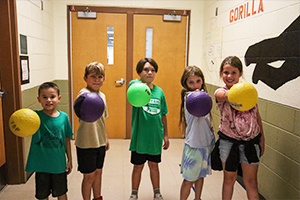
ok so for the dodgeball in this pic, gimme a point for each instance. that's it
(24, 122)
(198, 103)
(242, 96)
(138, 94)
(89, 107)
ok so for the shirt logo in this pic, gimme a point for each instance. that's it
(153, 107)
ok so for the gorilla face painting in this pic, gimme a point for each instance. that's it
(286, 48)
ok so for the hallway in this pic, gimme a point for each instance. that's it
(116, 182)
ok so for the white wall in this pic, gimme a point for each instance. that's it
(223, 38)
(46, 32)
(38, 26)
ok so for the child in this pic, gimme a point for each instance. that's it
(240, 134)
(50, 145)
(91, 139)
(200, 139)
(149, 130)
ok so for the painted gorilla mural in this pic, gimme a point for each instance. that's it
(285, 47)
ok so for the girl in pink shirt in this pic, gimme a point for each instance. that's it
(241, 134)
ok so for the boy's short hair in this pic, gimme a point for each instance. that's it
(48, 85)
(143, 61)
(94, 67)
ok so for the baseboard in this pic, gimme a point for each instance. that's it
(3, 176)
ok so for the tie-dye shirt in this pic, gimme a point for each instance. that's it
(240, 125)
(198, 130)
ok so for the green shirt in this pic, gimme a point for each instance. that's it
(147, 128)
(48, 145)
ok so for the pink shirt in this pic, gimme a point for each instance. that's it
(240, 125)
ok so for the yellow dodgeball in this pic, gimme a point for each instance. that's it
(242, 96)
(24, 122)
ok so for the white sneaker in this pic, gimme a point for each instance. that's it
(133, 197)
(158, 197)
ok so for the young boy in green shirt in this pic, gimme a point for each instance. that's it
(50, 146)
(149, 130)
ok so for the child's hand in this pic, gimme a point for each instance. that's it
(107, 145)
(221, 95)
(262, 145)
(211, 128)
(166, 142)
(69, 167)
(202, 90)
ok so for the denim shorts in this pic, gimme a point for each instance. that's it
(225, 147)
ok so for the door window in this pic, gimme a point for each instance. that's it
(110, 45)
(149, 39)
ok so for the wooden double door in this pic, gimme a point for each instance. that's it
(89, 40)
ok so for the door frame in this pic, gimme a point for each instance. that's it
(129, 60)
(11, 83)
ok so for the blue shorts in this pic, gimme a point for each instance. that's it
(225, 147)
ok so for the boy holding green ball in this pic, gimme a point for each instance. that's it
(149, 132)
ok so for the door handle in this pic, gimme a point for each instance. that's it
(121, 81)
(2, 93)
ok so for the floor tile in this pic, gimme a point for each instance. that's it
(116, 180)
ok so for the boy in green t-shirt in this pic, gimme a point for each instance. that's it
(50, 146)
(149, 130)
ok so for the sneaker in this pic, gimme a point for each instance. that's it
(158, 197)
(133, 197)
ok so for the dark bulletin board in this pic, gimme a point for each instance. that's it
(23, 44)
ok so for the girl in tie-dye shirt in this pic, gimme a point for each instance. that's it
(199, 137)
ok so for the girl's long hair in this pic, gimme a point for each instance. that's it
(188, 71)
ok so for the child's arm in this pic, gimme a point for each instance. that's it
(69, 155)
(221, 95)
(166, 138)
(262, 139)
(107, 143)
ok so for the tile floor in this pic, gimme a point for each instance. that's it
(117, 178)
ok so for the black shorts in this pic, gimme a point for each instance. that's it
(90, 159)
(46, 183)
(139, 159)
